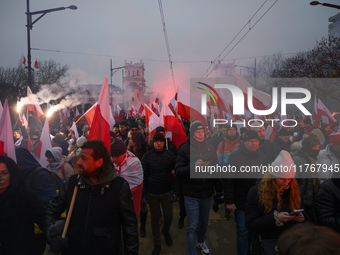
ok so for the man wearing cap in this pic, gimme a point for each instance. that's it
(306, 173)
(130, 168)
(281, 142)
(171, 146)
(123, 130)
(330, 156)
(236, 190)
(197, 192)
(161, 188)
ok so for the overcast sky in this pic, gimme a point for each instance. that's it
(198, 30)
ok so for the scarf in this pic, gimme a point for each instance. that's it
(119, 166)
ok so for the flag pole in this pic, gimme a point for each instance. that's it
(166, 140)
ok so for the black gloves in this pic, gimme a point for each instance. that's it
(174, 198)
(58, 244)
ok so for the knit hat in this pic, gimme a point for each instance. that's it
(283, 166)
(81, 140)
(58, 139)
(158, 137)
(17, 131)
(334, 138)
(283, 132)
(118, 147)
(251, 134)
(195, 125)
(160, 129)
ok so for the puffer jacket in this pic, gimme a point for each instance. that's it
(229, 146)
(236, 190)
(158, 167)
(187, 156)
(327, 203)
(327, 157)
(278, 145)
(101, 213)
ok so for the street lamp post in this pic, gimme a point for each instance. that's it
(30, 26)
(314, 3)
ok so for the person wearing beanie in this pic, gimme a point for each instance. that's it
(171, 146)
(265, 146)
(197, 192)
(123, 130)
(330, 156)
(236, 190)
(161, 189)
(307, 178)
(281, 142)
(308, 124)
(130, 168)
(269, 216)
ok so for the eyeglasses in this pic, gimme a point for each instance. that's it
(4, 175)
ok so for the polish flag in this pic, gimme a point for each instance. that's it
(119, 110)
(6, 134)
(172, 125)
(133, 110)
(24, 121)
(1, 109)
(23, 59)
(189, 106)
(172, 105)
(325, 115)
(141, 109)
(261, 99)
(75, 130)
(270, 133)
(29, 146)
(36, 64)
(67, 111)
(62, 116)
(33, 106)
(100, 129)
(44, 144)
(79, 120)
(316, 114)
(151, 121)
(112, 120)
(89, 114)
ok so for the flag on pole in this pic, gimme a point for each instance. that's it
(100, 129)
(23, 59)
(270, 133)
(325, 115)
(44, 144)
(75, 130)
(119, 110)
(89, 114)
(316, 114)
(151, 121)
(6, 135)
(33, 106)
(172, 105)
(79, 120)
(36, 64)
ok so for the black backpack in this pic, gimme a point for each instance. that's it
(57, 181)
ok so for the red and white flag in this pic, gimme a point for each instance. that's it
(33, 106)
(172, 105)
(24, 121)
(36, 66)
(119, 110)
(6, 134)
(44, 144)
(141, 109)
(23, 59)
(325, 115)
(89, 114)
(172, 125)
(79, 120)
(270, 133)
(75, 130)
(189, 106)
(316, 114)
(100, 128)
(151, 121)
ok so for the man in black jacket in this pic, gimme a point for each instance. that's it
(197, 192)
(265, 145)
(158, 165)
(281, 142)
(103, 208)
(236, 190)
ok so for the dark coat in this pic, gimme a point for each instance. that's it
(187, 156)
(158, 167)
(327, 204)
(278, 145)
(100, 214)
(266, 148)
(236, 190)
(264, 223)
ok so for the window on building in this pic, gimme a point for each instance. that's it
(137, 72)
(129, 72)
(133, 72)
(133, 99)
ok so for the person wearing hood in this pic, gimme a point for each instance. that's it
(281, 142)
(306, 173)
(57, 165)
(20, 137)
(236, 190)
(270, 203)
(197, 192)
(20, 209)
(103, 208)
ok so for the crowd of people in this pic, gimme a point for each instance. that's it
(105, 190)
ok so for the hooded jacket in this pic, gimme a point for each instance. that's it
(102, 211)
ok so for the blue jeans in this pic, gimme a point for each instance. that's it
(243, 240)
(198, 215)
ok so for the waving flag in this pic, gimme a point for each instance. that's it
(100, 128)
(151, 121)
(44, 144)
(32, 106)
(325, 115)
(6, 134)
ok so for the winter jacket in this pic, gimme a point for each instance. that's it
(158, 167)
(327, 203)
(187, 156)
(327, 157)
(62, 169)
(266, 148)
(236, 190)
(229, 146)
(264, 223)
(278, 145)
(101, 212)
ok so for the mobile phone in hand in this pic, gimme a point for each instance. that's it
(296, 212)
